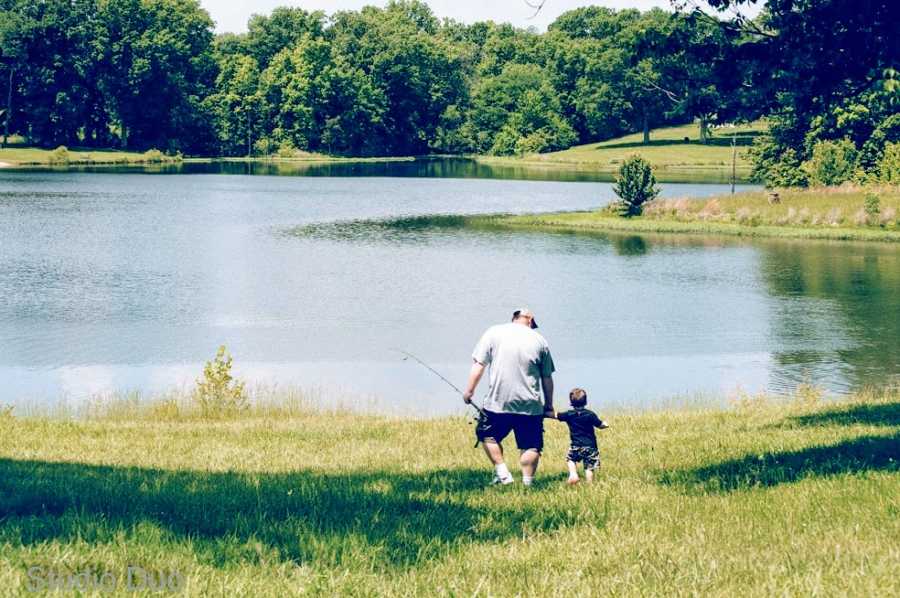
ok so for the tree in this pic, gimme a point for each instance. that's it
(237, 104)
(822, 66)
(284, 28)
(635, 185)
(158, 68)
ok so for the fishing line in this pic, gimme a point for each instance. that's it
(407, 355)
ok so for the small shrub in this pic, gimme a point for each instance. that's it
(889, 166)
(217, 392)
(60, 156)
(832, 163)
(287, 150)
(263, 147)
(635, 185)
(775, 166)
(872, 207)
(153, 156)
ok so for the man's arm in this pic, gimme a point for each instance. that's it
(547, 385)
(474, 378)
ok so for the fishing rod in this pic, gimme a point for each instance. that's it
(407, 355)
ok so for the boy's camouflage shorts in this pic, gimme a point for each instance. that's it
(585, 454)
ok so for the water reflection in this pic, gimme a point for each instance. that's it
(630, 245)
(859, 284)
(427, 167)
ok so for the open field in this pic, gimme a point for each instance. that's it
(667, 152)
(30, 156)
(770, 497)
(33, 156)
(835, 213)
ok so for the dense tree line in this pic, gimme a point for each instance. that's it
(398, 81)
(150, 73)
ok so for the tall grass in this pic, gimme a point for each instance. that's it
(770, 496)
(829, 213)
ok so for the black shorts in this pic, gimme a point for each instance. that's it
(529, 429)
(589, 455)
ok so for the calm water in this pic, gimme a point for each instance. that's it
(129, 281)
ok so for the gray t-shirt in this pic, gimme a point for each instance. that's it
(518, 358)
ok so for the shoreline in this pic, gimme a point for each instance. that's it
(567, 222)
(830, 214)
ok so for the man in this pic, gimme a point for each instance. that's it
(521, 367)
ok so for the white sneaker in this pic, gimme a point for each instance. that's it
(500, 482)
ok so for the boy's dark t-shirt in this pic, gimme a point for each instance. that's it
(581, 424)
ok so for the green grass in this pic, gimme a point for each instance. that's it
(786, 497)
(33, 156)
(667, 151)
(835, 214)
(18, 156)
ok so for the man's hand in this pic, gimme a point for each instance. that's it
(474, 378)
(550, 412)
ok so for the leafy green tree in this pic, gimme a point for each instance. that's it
(237, 104)
(822, 66)
(267, 35)
(158, 69)
(831, 163)
(635, 185)
(889, 167)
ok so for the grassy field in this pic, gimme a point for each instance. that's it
(836, 213)
(668, 151)
(33, 156)
(20, 155)
(768, 497)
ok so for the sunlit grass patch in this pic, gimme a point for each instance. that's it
(771, 495)
(671, 148)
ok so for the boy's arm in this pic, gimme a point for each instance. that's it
(599, 423)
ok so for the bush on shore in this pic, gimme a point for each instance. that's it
(635, 185)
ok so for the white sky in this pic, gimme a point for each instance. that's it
(232, 15)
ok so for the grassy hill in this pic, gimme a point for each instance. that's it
(769, 497)
(667, 151)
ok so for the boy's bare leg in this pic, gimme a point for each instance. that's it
(573, 472)
(589, 475)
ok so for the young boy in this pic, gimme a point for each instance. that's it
(581, 422)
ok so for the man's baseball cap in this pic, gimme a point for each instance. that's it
(527, 313)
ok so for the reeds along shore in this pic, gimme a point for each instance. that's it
(767, 496)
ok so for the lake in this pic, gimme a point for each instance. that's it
(115, 281)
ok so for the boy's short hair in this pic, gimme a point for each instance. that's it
(578, 397)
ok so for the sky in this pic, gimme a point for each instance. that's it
(232, 15)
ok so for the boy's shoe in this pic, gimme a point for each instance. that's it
(497, 481)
